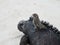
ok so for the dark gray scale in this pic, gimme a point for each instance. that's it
(58, 32)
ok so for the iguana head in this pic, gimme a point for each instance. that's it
(26, 26)
(30, 25)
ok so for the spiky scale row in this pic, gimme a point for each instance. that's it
(54, 29)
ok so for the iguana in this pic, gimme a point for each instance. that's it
(47, 36)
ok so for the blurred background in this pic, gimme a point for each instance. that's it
(12, 11)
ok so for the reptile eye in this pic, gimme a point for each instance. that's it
(31, 19)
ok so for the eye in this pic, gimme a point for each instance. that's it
(31, 19)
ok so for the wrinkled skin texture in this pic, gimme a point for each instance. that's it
(48, 36)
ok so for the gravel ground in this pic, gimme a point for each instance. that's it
(12, 11)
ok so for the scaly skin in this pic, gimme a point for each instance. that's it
(24, 40)
(48, 36)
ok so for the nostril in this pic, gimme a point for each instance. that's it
(21, 24)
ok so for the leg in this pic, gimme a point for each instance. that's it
(24, 40)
